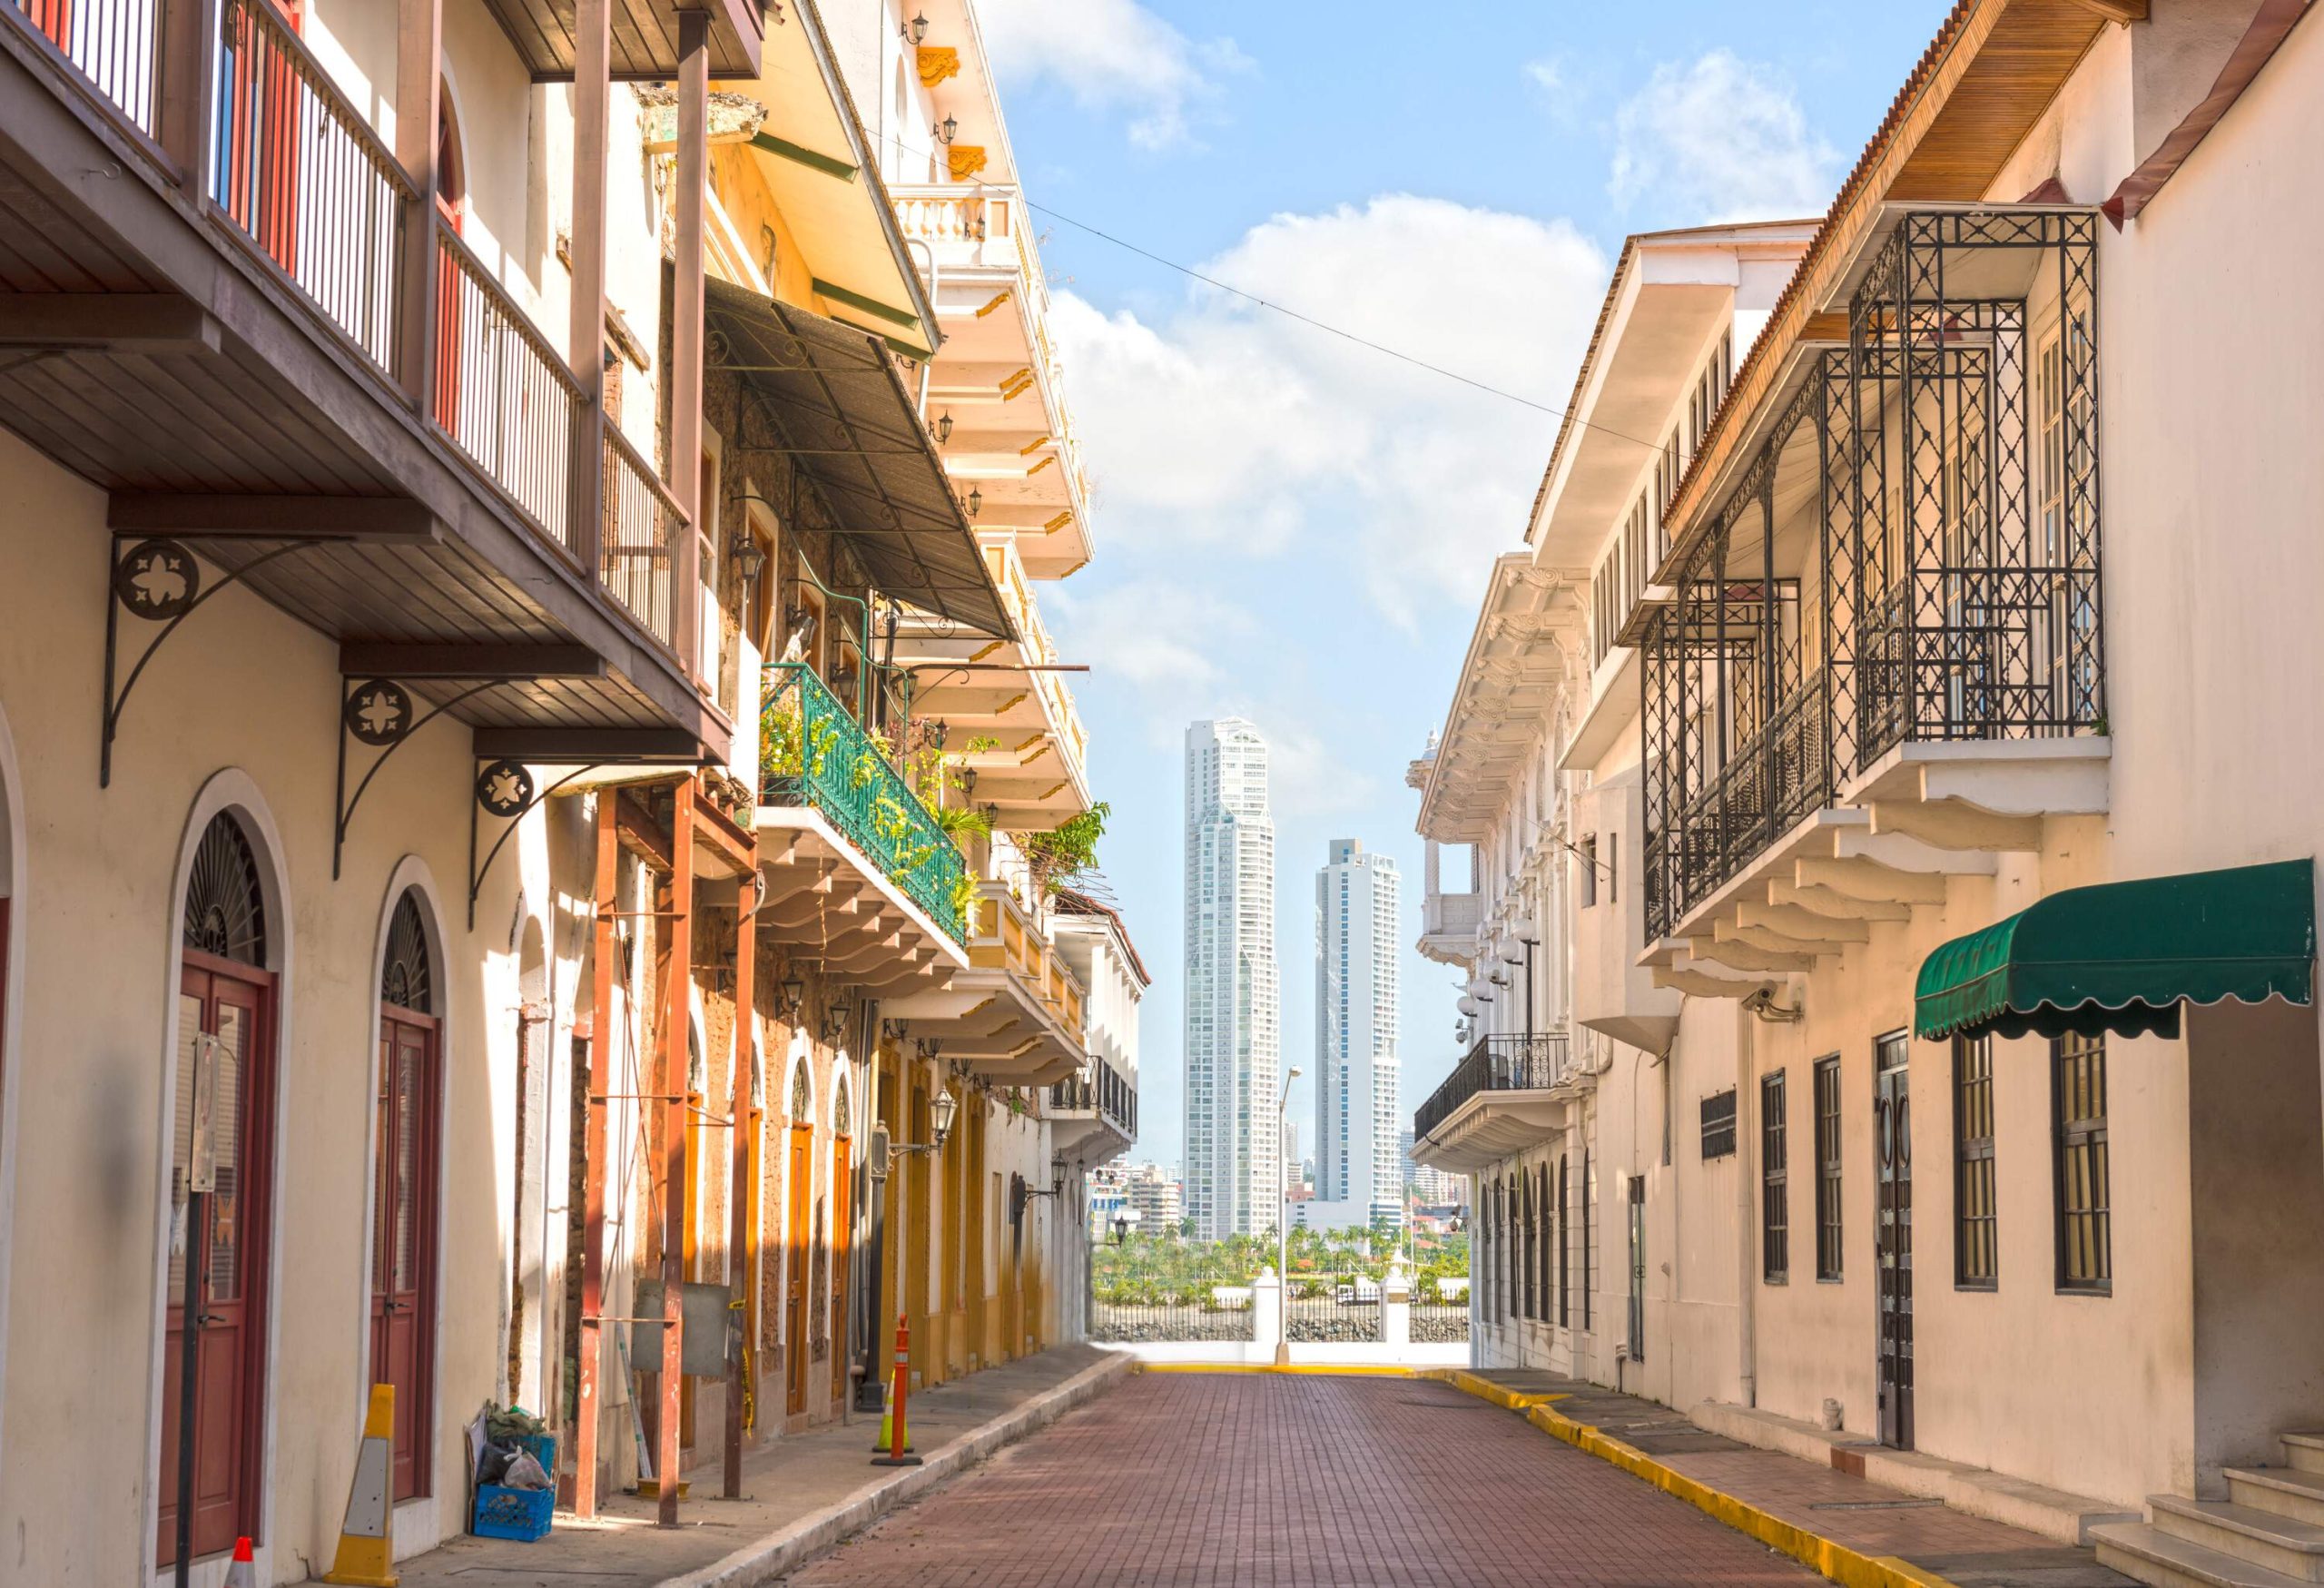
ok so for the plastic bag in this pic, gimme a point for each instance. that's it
(524, 1473)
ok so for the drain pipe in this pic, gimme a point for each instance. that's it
(1746, 1142)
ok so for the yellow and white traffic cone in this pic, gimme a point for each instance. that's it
(243, 1571)
(366, 1554)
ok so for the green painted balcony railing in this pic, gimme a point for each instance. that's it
(813, 752)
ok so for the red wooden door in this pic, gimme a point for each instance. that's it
(794, 1271)
(229, 1248)
(403, 1238)
(258, 146)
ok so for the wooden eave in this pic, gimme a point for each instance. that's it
(644, 37)
(1993, 69)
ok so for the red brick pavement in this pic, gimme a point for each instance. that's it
(1268, 1481)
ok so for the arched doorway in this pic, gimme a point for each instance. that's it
(225, 1075)
(795, 1237)
(406, 1157)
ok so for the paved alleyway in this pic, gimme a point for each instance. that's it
(1261, 1481)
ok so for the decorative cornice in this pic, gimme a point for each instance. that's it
(964, 160)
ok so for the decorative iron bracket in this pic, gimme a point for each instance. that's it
(505, 789)
(381, 714)
(158, 580)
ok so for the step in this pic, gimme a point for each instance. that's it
(2305, 1451)
(2284, 1490)
(2296, 1549)
(2154, 1557)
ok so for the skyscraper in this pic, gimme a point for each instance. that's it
(1357, 1104)
(1234, 1038)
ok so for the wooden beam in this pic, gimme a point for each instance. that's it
(676, 1026)
(586, 333)
(419, 87)
(599, 746)
(594, 1169)
(2123, 11)
(389, 659)
(147, 323)
(687, 330)
(217, 516)
(639, 833)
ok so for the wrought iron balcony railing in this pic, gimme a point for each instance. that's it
(1947, 462)
(1496, 1064)
(1100, 1090)
(814, 753)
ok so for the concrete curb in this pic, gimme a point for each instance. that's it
(778, 1553)
(1827, 1557)
(1311, 1369)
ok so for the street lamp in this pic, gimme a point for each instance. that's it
(897, 1454)
(1282, 1227)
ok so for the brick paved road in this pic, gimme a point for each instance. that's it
(1259, 1481)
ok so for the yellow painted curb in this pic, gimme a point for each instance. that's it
(1828, 1557)
(1322, 1369)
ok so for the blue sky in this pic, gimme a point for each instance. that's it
(1297, 530)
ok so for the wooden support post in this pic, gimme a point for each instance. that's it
(189, 30)
(742, 1260)
(678, 1017)
(593, 1225)
(419, 54)
(585, 341)
(686, 326)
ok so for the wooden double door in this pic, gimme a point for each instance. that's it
(1892, 1141)
(406, 1157)
(226, 1008)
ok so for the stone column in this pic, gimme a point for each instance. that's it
(1397, 1307)
(1267, 1340)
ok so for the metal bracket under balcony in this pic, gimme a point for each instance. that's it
(1508, 1094)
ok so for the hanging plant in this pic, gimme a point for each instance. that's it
(1066, 852)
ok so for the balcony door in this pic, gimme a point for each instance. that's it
(406, 1165)
(260, 96)
(842, 1196)
(796, 1255)
(225, 1039)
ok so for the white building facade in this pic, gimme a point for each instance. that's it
(1935, 1051)
(1358, 1102)
(1233, 1037)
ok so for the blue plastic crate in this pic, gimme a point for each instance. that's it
(544, 1449)
(519, 1513)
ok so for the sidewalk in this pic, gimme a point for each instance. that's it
(802, 1495)
(1849, 1528)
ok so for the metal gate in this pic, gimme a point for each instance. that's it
(1892, 1234)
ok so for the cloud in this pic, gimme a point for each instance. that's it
(1222, 426)
(1720, 139)
(1112, 55)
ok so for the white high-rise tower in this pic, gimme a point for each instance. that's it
(1234, 1038)
(1359, 1177)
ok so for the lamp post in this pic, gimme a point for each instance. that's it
(1283, 1227)
(898, 1449)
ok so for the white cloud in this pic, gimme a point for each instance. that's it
(1720, 139)
(1252, 437)
(1112, 55)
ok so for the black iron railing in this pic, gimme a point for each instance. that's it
(1496, 1064)
(1099, 1090)
(1945, 466)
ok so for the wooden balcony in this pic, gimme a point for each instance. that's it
(247, 352)
(645, 36)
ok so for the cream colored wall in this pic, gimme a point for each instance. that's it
(231, 692)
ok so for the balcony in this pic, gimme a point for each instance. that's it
(644, 37)
(1881, 662)
(1093, 1114)
(998, 375)
(1017, 1015)
(1448, 926)
(1508, 1094)
(1008, 698)
(259, 344)
(860, 875)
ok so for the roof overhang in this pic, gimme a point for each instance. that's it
(857, 435)
(1525, 648)
(825, 900)
(1495, 1125)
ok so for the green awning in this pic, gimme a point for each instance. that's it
(2120, 957)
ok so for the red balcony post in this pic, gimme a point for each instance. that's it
(686, 333)
(585, 345)
(419, 41)
(601, 1080)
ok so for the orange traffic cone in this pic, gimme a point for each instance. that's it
(243, 1573)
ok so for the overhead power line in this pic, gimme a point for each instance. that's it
(1310, 321)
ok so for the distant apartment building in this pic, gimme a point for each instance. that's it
(1154, 1196)
(1425, 1184)
(1357, 1095)
(1234, 1183)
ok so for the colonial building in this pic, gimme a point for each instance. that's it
(478, 867)
(1942, 939)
